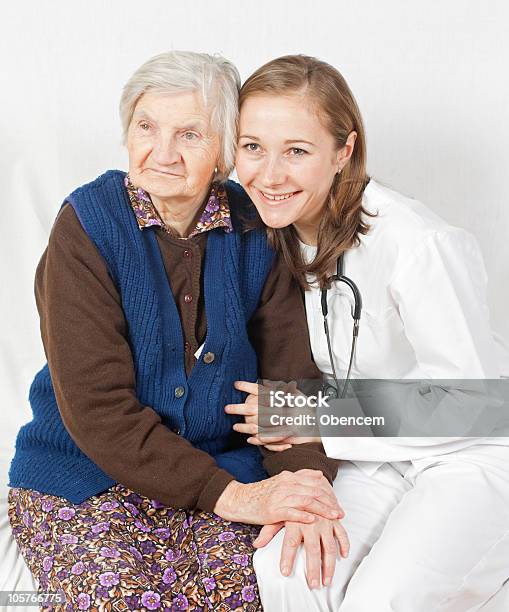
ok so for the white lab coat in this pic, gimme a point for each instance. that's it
(427, 518)
(424, 316)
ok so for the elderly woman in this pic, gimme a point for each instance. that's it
(129, 489)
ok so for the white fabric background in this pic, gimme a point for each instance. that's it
(430, 79)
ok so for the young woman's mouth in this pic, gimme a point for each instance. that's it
(276, 198)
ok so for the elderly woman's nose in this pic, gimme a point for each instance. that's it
(165, 151)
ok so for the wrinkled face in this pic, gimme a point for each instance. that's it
(286, 160)
(173, 150)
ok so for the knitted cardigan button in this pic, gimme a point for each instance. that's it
(188, 298)
(179, 391)
(209, 357)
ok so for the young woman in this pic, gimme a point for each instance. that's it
(427, 518)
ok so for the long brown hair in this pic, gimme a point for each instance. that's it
(341, 222)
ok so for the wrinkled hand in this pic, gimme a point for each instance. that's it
(322, 539)
(282, 438)
(289, 496)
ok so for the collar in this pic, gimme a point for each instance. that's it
(216, 212)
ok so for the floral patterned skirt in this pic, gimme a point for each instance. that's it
(121, 551)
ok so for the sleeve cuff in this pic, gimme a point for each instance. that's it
(309, 456)
(213, 489)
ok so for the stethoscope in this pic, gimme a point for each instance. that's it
(340, 277)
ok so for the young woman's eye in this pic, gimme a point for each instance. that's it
(295, 151)
(253, 147)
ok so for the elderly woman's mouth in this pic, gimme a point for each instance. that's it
(166, 173)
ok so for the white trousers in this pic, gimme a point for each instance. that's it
(426, 536)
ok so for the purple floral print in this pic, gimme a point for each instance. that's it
(216, 213)
(83, 601)
(108, 579)
(147, 557)
(66, 514)
(151, 600)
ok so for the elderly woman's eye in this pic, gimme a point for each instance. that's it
(190, 136)
(144, 126)
(253, 147)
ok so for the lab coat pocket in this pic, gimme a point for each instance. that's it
(383, 349)
(380, 333)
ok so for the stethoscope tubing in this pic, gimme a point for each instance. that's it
(340, 277)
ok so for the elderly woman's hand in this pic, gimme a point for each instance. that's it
(321, 542)
(288, 496)
(282, 438)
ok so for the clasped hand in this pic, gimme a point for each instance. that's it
(323, 536)
(274, 437)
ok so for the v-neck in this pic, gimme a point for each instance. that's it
(173, 336)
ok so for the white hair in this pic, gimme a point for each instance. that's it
(213, 76)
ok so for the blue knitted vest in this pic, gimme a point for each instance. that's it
(235, 268)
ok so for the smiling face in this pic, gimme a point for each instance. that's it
(173, 150)
(286, 161)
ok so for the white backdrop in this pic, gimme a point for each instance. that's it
(430, 78)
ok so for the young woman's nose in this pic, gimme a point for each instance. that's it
(273, 172)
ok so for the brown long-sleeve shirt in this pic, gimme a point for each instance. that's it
(85, 338)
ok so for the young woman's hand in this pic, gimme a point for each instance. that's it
(300, 496)
(321, 542)
(282, 439)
